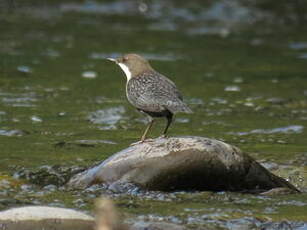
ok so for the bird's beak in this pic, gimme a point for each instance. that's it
(112, 59)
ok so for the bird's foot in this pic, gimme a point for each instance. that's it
(142, 141)
(163, 136)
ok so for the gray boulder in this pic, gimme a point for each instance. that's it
(53, 218)
(44, 217)
(182, 163)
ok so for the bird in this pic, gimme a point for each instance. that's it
(150, 92)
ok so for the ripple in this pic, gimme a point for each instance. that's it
(36, 119)
(232, 88)
(182, 120)
(89, 74)
(19, 100)
(51, 53)
(303, 56)
(286, 130)
(10, 133)
(298, 45)
(109, 117)
(24, 69)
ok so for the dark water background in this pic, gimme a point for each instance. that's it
(241, 65)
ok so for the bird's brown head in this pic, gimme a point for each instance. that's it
(132, 64)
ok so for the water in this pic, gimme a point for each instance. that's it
(241, 67)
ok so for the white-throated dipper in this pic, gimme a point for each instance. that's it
(149, 91)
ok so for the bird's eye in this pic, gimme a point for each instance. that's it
(125, 59)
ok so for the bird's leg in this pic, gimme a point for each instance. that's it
(169, 121)
(147, 129)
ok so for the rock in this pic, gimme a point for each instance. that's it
(277, 191)
(156, 226)
(43, 217)
(52, 218)
(182, 163)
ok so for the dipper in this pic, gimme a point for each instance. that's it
(149, 91)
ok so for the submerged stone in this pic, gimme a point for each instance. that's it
(182, 163)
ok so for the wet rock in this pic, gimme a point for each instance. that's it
(48, 175)
(156, 226)
(43, 217)
(284, 225)
(182, 163)
(277, 191)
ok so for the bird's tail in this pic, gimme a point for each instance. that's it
(179, 107)
(186, 109)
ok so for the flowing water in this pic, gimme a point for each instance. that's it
(240, 65)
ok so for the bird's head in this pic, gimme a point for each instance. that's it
(132, 65)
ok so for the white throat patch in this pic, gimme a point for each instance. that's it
(126, 70)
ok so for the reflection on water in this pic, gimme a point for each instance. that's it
(19, 100)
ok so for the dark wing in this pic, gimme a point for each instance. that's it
(154, 92)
